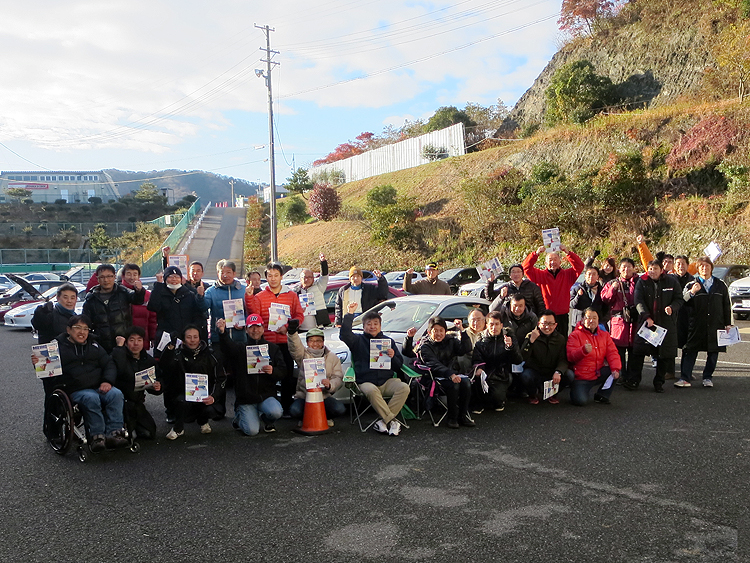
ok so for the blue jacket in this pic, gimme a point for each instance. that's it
(214, 297)
(359, 345)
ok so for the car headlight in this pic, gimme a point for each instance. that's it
(343, 356)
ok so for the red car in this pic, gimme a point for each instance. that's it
(332, 290)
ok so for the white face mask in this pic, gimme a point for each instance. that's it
(174, 286)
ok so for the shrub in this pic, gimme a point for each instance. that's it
(95, 200)
(61, 201)
(707, 142)
(292, 210)
(324, 203)
(433, 153)
(576, 93)
(392, 219)
(622, 182)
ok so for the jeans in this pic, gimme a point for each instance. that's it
(532, 381)
(247, 417)
(580, 388)
(688, 363)
(333, 408)
(102, 412)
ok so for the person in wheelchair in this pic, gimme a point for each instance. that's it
(130, 358)
(375, 383)
(88, 377)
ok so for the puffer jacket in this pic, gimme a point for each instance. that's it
(111, 318)
(300, 352)
(215, 296)
(259, 304)
(127, 366)
(252, 388)
(491, 351)
(49, 320)
(587, 365)
(359, 346)
(175, 362)
(142, 317)
(174, 311)
(441, 357)
(84, 366)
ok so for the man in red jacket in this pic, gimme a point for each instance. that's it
(555, 282)
(589, 347)
(261, 304)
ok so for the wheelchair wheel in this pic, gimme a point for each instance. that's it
(135, 447)
(82, 454)
(58, 422)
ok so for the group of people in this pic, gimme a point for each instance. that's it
(521, 346)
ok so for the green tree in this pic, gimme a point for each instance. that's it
(380, 196)
(487, 118)
(99, 239)
(392, 218)
(299, 183)
(576, 93)
(732, 53)
(148, 192)
(18, 194)
(292, 210)
(447, 116)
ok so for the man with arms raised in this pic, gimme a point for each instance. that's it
(431, 285)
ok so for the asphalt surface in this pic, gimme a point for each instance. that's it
(650, 478)
(220, 236)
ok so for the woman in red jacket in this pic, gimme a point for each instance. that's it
(589, 347)
(261, 304)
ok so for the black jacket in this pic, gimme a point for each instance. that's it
(176, 362)
(490, 351)
(531, 292)
(707, 313)
(49, 320)
(359, 346)
(651, 298)
(252, 388)
(441, 357)
(174, 311)
(127, 366)
(84, 366)
(371, 296)
(546, 355)
(521, 326)
(111, 317)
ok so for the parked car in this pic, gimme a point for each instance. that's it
(396, 279)
(18, 293)
(22, 312)
(739, 293)
(476, 289)
(456, 277)
(344, 274)
(400, 314)
(332, 290)
(5, 283)
(41, 276)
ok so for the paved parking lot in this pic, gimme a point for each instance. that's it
(650, 478)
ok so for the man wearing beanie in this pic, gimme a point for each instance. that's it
(366, 296)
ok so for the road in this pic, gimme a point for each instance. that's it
(220, 236)
(650, 478)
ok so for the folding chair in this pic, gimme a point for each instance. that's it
(357, 406)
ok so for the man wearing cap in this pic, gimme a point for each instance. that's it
(255, 393)
(431, 285)
(334, 375)
(366, 296)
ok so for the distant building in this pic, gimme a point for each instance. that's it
(280, 193)
(48, 186)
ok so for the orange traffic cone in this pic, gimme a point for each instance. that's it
(314, 421)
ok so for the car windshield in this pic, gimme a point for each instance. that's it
(400, 315)
(448, 274)
(394, 276)
(719, 272)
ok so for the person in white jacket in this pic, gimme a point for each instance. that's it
(334, 374)
(308, 284)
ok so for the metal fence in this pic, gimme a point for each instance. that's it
(398, 156)
(53, 228)
(153, 264)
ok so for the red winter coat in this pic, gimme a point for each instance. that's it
(587, 366)
(258, 305)
(142, 317)
(622, 333)
(555, 288)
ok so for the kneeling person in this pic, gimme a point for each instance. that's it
(545, 358)
(315, 349)
(375, 383)
(89, 374)
(255, 393)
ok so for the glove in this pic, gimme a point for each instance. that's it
(292, 326)
(596, 253)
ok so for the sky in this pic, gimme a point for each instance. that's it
(172, 84)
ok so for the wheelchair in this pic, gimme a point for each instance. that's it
(64, 427)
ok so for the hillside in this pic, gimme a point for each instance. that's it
(206, 185)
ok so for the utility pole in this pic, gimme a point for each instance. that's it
(231, 183)
(267, 75)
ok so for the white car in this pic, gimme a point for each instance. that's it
(21, 316)
(472, 289)
(41, 276)
(739, 293)
(400, 314)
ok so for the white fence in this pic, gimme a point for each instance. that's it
(398, 156)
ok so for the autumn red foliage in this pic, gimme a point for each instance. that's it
(324, 202)
(580, 16)
(709, 140)
(362, 143)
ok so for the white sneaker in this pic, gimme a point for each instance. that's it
(206, 428)
(172, 435)
(330, 423)
(380, 427)
(708, 383)
(682, 383)
(394, 428)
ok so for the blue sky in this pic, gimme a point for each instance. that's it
(144, 85)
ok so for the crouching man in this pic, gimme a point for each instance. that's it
(375, 383)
